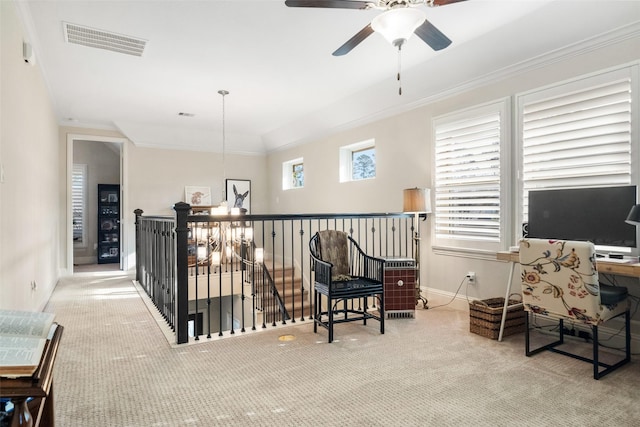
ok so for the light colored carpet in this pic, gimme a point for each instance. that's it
(115, 368)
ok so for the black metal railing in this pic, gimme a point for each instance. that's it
(216, 274)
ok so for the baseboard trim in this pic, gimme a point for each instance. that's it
(85, 260)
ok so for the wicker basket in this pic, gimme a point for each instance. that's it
(485, 317)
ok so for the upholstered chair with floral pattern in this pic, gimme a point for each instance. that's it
(560, 282)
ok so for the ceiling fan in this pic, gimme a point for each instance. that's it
(397, 23)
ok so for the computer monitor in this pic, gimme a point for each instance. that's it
(595, 214)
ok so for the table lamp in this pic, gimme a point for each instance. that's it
(634, 215)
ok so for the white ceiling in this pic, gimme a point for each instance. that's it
(285, 86)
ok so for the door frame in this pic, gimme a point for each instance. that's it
(125, 253)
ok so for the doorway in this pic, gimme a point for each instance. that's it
(93, 160)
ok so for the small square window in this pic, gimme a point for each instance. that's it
(358, 161)
(297, 175)
(293, 174)
(363, 164)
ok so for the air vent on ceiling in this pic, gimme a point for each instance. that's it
(99, 39)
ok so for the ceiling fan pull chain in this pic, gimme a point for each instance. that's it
(399, 69)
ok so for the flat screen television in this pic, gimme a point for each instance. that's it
(596, 214)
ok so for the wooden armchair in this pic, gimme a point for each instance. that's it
(344, 274)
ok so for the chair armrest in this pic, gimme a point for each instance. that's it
(372, 268)
(366, 266)
(323, 270)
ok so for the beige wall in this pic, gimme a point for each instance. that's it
(29, 209)
(402, 161)
(404, 149)
(157, 178)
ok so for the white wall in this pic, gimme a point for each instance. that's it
(29, 192)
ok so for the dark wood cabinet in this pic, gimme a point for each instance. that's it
(108, 223)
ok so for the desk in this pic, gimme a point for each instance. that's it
(39, 386)
(602, 265)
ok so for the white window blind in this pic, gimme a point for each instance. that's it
(79, 203)
(467, 178)
(579, 138)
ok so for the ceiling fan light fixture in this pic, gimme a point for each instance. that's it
(397, 25)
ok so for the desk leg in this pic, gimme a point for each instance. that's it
(506, 300)
(48, 416)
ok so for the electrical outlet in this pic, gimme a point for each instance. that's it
(471, 276)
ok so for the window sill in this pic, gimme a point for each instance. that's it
(465, 253)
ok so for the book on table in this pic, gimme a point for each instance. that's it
(23, 336)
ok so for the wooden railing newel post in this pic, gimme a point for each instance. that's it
(138, 213)
(182, 272)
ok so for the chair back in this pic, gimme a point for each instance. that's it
(560, 279)
(333, 247)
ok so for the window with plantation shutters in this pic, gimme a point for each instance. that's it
(577, 134)
(79, 204)
(468, 187)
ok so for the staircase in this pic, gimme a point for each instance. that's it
(294, 298)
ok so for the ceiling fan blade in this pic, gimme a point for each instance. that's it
(442, 2)
(331, 4)
(354, 41)
(432, 36)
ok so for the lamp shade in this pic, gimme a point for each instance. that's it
(417, 200)
(634, 215)
(397, 25)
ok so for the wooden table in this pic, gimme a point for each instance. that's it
(603, 265)
(39, 411)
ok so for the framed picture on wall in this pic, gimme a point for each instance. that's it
(197, 196)
(239, 194)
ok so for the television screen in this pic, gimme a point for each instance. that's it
(595, 214)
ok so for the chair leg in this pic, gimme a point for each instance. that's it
(550, 346)
(318, 309)
(596, 362)
(597, 373)
(627, 336)
(330, 313)
(364, 309)
(381, 308)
